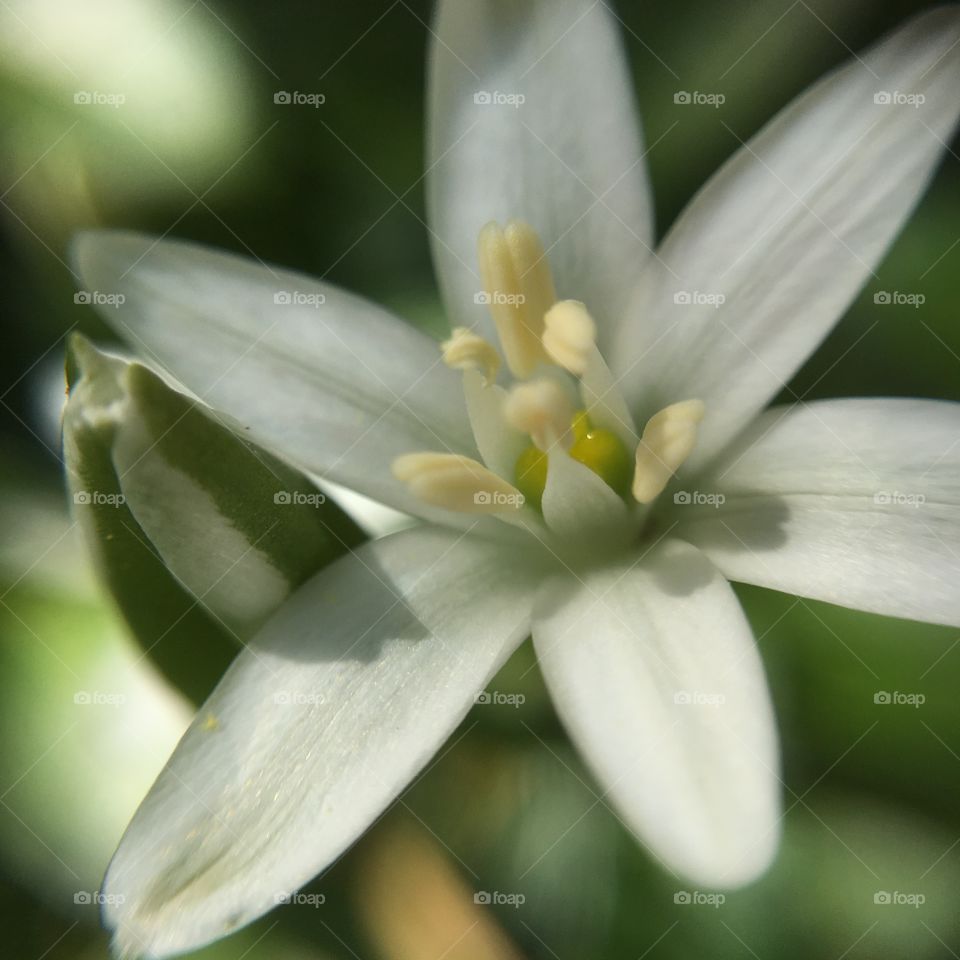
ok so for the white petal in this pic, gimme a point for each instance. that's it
(604, 401)
(375, 519)
(230, 575)
(328, 381)
(568, 159)
(346, 693)
(581, 508)
(655, 673)
(498, 442)
(789, 230)
(855, 502)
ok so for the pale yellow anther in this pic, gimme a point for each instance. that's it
(455, 482)
(542, 409)
(668, 439)
(465, 350)
(570, 335)
(533, 270)
(519, 291)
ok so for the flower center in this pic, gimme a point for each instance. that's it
(563, 402)
(601, 451)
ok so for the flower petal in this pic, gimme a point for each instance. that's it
(238, 529)
(789, 230)
(326, 380)
(568, 158)
(498, 442)
(580, 507)
(346, 693)
(855, 502)
(655, 673)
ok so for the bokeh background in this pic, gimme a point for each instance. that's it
(199, 150)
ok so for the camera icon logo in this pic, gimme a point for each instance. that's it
(282, 96)
(682, 96)
(482, 298)
(83, 96)
(681, 896)
(682, 497)
(882, 97)
(483, 98)
(82, 297)
(482, 897)
(282, 297)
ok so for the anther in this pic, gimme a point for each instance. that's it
(455, 482)
(465, 350)
(519, 291)
(668, 439)
(569, 336)
(542, 409)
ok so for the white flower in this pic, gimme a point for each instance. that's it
(684, 480)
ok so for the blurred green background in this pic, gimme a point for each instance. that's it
(199, 150)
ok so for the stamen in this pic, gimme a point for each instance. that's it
(465, 350)
(668, 439)
(570, 335)
(533, 271)
(542, 409)
(455, 482)
(519, 289)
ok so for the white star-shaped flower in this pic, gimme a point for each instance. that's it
(590, 454)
